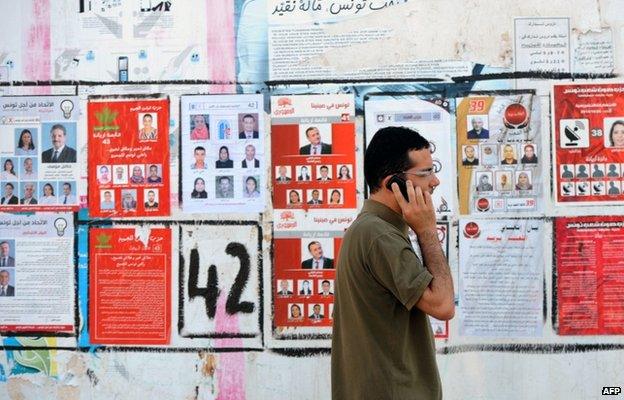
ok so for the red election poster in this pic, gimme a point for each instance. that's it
(590, 275)
(588, 145)
(128, 157)
(304, 296)
(130, 285)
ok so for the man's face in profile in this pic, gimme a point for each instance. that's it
(250, 152)
(224, 185)
(66, 189)
(477, 124)
(470, 152)
(314, 136)
(200, 156)
(58, 138)
(421, 161)
(4, 278)
(316, 250)
(28, 164)
(248, 124)
(4, 249)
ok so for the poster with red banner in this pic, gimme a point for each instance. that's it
(130, 285)
(315, 200)
(128, 157)
(588, 145)
(590, 276)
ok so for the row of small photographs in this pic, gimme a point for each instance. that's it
(38, 193)
(129, 199)
(504, 181)
(585, 171)
(224, 187)
(305, 287)
(294, 197)
(7, 282)
(316, 311)
(488, 154)
(59, 139)
(121, 174)
(283, 173)
(223, 158)
(18, 168)
(222, 127)
(595, 188)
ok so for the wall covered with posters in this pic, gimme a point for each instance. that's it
(176, 179)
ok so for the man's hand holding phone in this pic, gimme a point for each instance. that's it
(417, 209)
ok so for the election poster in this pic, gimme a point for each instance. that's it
(305, 275)
(37, 292)
(501, 277)
(128, 157)
(588, 143)
(313, 155)
(223, 153)
(590, 277)
(315, 199)
(40, 153)
(499, 155)
(430, 117)
(130, 285)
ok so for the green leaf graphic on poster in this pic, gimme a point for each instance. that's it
(106, 118)
(39, 360)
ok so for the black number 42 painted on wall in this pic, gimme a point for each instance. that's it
(211, 291)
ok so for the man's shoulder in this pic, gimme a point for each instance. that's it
(369, 226)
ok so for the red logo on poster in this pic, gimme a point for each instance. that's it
(471, 230)
(287, 216)
(483, 204)
(515, 116)
(284, 102)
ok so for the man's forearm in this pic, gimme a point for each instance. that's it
(436, 263)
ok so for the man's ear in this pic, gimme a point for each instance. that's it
(384, 182)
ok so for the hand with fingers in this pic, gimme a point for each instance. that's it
(418, 210)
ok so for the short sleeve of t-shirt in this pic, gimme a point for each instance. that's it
(395, 266)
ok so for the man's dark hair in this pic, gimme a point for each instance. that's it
(248, 116)
(387, 153)
(199, 148)
(311, 243)
(325, 280)
(10, 184)
(68, 184)
(59, 126)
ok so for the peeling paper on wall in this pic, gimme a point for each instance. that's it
(419, 31)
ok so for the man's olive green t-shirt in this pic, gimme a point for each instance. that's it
(382, 346)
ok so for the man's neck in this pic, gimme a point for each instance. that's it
(387, 199)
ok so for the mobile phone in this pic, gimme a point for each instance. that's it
(399, 180)
(122, 65)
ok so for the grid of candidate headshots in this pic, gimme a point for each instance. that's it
(119, 184)
(21, 173)
(224, 156)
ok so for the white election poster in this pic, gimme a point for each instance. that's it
(431, 118)
(501, 274)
